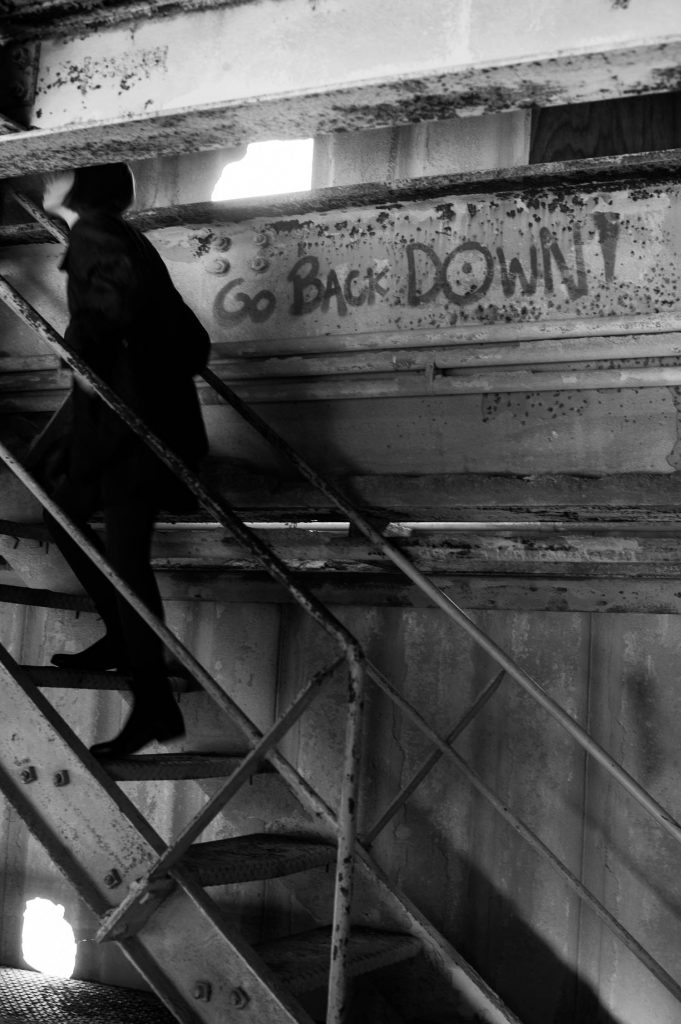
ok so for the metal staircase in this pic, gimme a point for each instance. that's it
(150, 896)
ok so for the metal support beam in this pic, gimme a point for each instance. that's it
(205, 79)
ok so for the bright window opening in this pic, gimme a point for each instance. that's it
(47, 941)
(268, 169)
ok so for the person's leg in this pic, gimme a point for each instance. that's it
(79, 504)
(155, 714)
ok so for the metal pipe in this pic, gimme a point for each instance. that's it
(337, 1008)
(521, 353)
(432, 383)
(452, 610)
(369, 837)
(527, 834)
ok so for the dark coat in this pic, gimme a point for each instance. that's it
(130, 324)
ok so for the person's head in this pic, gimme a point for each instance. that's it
(108, 187)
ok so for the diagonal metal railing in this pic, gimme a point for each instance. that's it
(213, 503)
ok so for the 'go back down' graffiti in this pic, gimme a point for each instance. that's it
(530, 264)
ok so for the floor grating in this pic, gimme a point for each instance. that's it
(27, 997)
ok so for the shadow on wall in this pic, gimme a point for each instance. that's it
(513, 959)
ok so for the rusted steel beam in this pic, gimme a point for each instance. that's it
(623, 549)
(621, 502)
(481, 592)
(588, 175)
(55, 19)
(44, 391)
(464, 497)
(445, 750)
(645, 550)
(141, 78)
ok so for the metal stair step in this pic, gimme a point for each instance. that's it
(46, 676)
(302, 961)
(37, 597)
(255, 857)
(152, 767)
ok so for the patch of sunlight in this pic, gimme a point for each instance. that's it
(47, 941)
(268, 169)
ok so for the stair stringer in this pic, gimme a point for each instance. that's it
(186, 940)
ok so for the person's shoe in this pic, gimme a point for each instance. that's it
(102, 656)
(141, 728)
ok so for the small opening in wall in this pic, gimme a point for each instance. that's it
(268, 169)
(47, 941)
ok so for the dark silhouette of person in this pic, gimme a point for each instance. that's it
(131, 326)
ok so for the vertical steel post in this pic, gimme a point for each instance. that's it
(347, 819)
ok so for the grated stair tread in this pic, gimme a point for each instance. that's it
(302, 961)
(47, 676)
(27, 997)
(148, 767)
(256, 857)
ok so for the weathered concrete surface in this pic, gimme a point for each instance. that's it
(143, 89)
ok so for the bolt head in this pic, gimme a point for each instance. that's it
(222, 244)
(238, 998)
(61, 778)
(112, 879)
(19, 90)
(259, 264)
(261, 238)
(28, 774)
(217, 266)
(202, 990)
(21, 56)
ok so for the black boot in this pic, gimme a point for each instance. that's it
(146, 723)
(103, 655)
